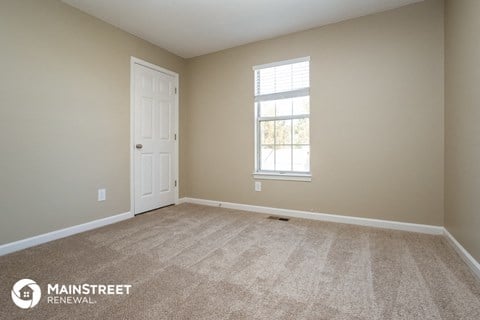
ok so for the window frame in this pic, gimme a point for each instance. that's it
(277, 174)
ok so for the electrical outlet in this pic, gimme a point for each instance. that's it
(258, 186)
(102, 194)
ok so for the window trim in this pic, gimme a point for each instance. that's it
(265, 175)
(278, 175)
(280, 63)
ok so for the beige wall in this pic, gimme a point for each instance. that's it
(462, 128)
(64, 116)
(376, 118)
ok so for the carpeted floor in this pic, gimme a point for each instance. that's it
(195, 262)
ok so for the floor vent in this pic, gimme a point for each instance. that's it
(278, 218)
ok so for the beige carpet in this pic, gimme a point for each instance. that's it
(195, 262)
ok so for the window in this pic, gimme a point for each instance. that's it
(282, 114)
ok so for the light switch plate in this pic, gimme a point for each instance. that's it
(102, 194)
(258, 186)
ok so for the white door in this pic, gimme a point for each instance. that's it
(154, 139)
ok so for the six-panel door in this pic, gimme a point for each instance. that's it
(154, 139)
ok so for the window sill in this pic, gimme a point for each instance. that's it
(282, 176)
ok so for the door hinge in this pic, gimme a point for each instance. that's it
(175, 183)
(175, 90)
(175, 137)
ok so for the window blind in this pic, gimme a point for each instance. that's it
(282, 81)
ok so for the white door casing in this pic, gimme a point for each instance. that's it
(154, 144)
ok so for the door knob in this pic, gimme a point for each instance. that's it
(139, 146)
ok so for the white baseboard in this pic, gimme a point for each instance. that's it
(467, 257)
(404, 226)
(62, 233)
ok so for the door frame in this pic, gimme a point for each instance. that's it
(176, 169)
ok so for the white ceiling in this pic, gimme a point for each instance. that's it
(191, 28)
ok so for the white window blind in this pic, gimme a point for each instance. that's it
(292, 79)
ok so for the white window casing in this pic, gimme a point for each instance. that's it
(282, 120)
